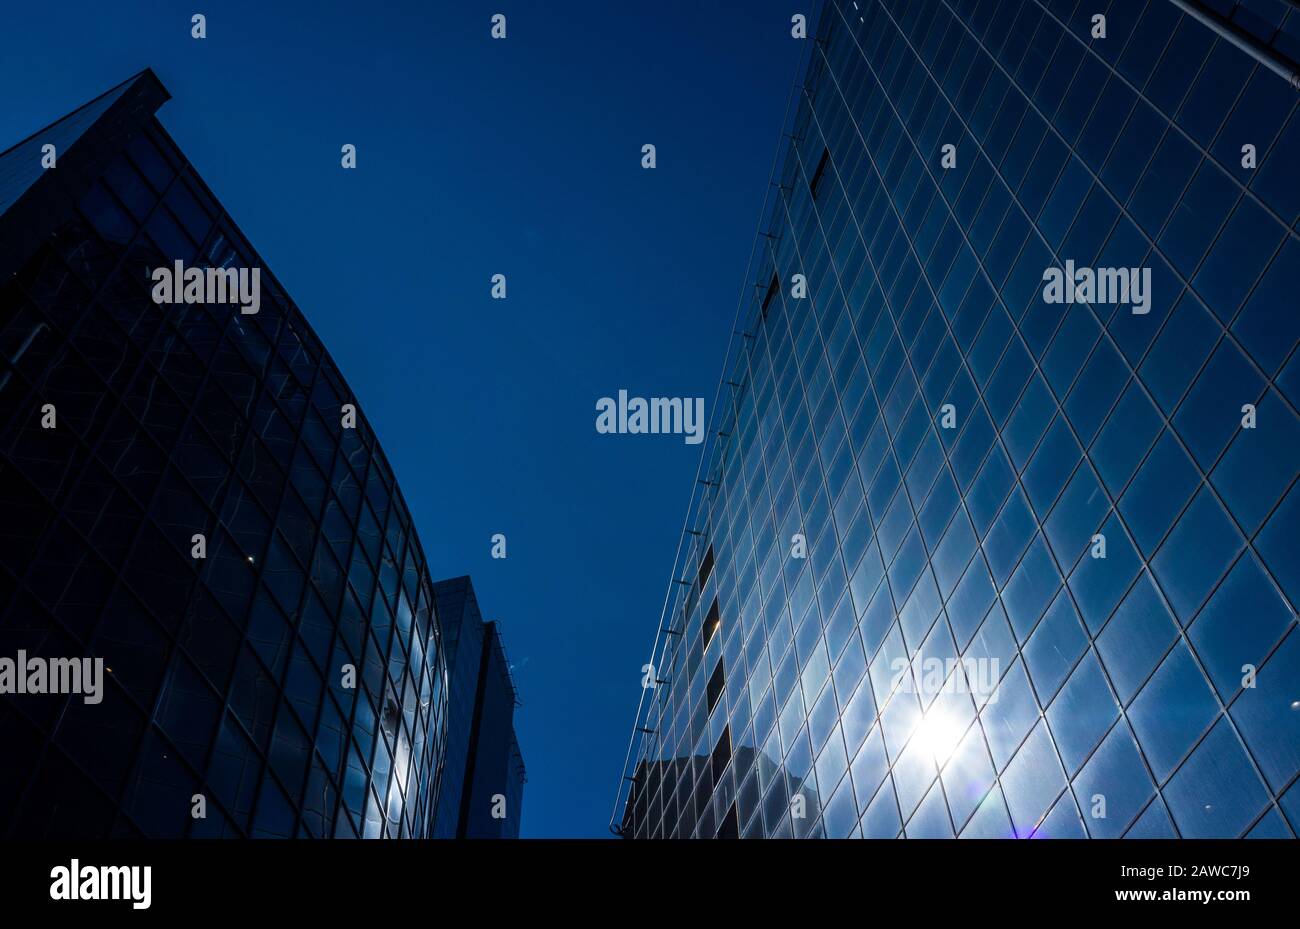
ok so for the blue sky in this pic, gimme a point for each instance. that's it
(478, 157)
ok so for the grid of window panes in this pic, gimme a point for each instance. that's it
(226, 673)
(1107, 530)
(462, 630)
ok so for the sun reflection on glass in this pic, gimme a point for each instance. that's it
(939, 734)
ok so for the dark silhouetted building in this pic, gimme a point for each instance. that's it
(483, 778)
(973, 556)
(202, 512)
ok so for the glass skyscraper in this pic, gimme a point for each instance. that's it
(970, 556)
(483, 783)
(183, 495)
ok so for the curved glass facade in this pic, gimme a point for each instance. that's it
(226, 675)
(967, 561)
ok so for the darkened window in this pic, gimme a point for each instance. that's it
(820, 172)
(772, 290)
(729, 828)
(108, 218)
(130, 187)
(717, 681)
(721, 754)
(194, 217)
(150, 161)
(711, 623)
(706, 567)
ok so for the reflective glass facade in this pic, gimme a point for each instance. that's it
(225, 673)
(1095, 508)
(482, 791)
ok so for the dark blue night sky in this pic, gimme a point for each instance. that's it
(478, 157)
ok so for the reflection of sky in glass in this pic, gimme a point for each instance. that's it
(1120, 672)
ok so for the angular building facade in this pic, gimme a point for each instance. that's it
(483, 784)
(181, 496)
(970, 556)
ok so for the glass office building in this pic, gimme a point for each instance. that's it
(483, 784)
(1049, 563)
(226, 666)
